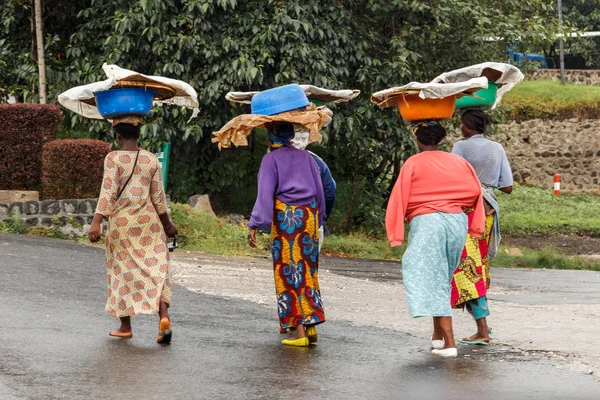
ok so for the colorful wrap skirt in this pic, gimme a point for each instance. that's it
(435, 242)
(295, 250)
(472, 277)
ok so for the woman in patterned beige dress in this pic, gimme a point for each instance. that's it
(138, 261)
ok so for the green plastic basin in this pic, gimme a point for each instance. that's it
(485, 98)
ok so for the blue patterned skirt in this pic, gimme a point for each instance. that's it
(435, 244)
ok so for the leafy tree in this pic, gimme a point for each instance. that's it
(222, 45)
(584, 15)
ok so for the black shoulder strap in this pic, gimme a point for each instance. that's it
(128, 179)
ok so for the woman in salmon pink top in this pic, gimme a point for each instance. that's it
(432, 193)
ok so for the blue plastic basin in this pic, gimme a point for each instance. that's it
(279, 100)
(119, 102)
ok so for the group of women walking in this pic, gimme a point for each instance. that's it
(448, 200)
(446, 197)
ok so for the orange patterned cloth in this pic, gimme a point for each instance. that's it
(138, 262)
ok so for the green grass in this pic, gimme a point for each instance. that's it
(360, 245)
(14, 225)
(534, 211)
(545, 258)
(204, 232)
(549, 99)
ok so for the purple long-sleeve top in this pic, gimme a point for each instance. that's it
(290, 175)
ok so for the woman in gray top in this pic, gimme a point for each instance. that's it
(472, 277)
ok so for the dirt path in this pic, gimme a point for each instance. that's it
(566, 244)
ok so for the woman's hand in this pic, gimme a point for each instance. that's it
(95, 231)
(252, 238)
(171, 230)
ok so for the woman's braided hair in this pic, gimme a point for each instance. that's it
(476, 120)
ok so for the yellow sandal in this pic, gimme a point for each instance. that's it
(300, 342)
(311, 333)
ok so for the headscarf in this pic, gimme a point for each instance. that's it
(476, 120)
(128, 119)
(280, 135)
(418, 124)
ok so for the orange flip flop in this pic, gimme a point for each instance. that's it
(122, 335)
(164, 331)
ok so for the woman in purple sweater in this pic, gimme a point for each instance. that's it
(291, 200)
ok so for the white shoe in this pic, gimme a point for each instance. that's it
(449, 352)
(437, 344)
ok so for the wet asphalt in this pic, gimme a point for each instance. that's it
(54, 344)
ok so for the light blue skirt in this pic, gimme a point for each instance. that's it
(435, 244)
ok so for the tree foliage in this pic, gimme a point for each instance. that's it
(223, 45)
(584, 15)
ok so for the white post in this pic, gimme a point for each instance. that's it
(39, 34)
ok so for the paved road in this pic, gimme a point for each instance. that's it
(55, 346)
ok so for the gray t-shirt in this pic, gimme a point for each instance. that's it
(487, 158)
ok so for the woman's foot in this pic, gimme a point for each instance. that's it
(164, 331)
(124, 330)
(298, 342)
(122, 333)
(311, 334)
(450, 352)
(477, 338)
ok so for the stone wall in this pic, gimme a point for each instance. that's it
(537, 149)
(578, 76)
(71, 217)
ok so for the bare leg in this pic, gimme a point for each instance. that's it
(300, 332)
(163, 310)
(437, 330)
(445, 324)
(479, 309)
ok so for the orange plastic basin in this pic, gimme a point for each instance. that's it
(414, 108)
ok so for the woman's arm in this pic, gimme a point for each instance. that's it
(262, 213)
(320, 198)
(107, 199)
(168, 226)
(397, 205)
(95, 230)
(505, 181)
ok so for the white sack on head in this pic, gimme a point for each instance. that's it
(505, 74)
(387, 97)
(80, 99)
(312, 92)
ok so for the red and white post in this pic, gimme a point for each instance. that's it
(557, 184)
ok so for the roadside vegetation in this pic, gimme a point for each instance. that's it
(534, 211)
(528, 212)
(549, 99)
